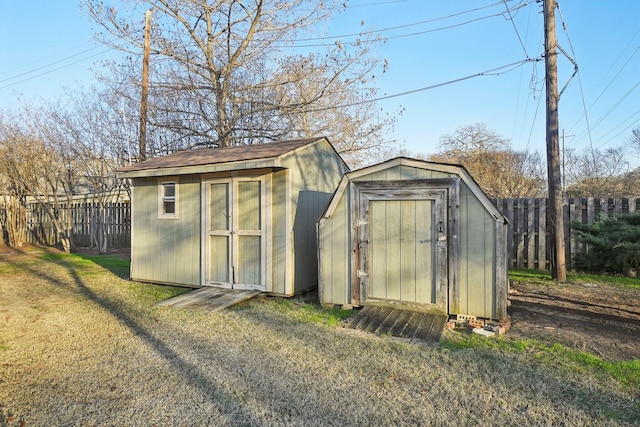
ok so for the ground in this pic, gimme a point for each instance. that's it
(600, 319)
(603, 320)
(82, 345)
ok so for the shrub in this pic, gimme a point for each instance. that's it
(613, 245)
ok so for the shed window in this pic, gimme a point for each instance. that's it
(168, 199)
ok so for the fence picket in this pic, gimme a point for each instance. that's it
(40, 229)
(531, 233)
(542, 235)
(527, 237)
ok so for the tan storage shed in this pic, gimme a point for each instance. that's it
(414, 235)
(240, 217)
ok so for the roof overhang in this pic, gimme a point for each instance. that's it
(260, 156)
(457, 170)
(273, 164)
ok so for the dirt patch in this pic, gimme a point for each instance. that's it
(601, 319)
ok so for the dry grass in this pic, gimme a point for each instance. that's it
(81, 346)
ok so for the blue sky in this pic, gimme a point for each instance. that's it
(45, 45)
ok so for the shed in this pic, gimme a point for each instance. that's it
(241, 217)
(414, 235)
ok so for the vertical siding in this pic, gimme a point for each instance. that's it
(477, 258)
(478, 276)
(310, 206)
(401, 172)
(166, 250)
(279, 232)
(459, 296)
(501, 271)
(335, 255)
(315, 173)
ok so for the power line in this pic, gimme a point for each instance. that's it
(535, 116)
(413, 24)
(48, 65)
(623, 130)
(375, 4)
(491, 72)
(573, 53)
(52, 70)
(357, 42)
(515, 28)
(616, 105)
(609, 84)
(43, 59)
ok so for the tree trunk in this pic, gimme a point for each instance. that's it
(14, 221)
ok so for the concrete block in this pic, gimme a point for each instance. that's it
(481, 331)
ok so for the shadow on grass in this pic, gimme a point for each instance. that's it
(550, 385)
(351, 362)
(115, 264)
(231, 407)
(190, 372)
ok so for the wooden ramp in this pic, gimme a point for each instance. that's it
(400, 323)
(209, 299)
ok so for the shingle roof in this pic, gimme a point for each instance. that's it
(219, 155)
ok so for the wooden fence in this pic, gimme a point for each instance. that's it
(528, 238)
(116, 220)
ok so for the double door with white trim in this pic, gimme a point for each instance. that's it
(235, 236)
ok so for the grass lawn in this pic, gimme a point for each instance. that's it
(81, 345)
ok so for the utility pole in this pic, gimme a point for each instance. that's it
(145, 86)
(558, 257)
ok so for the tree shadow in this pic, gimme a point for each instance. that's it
(116, 264)
(188, 371)
(192, 372)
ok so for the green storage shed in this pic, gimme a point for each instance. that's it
(414, 235)
(240, 217)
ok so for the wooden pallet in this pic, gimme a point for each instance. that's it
(399, 323)
(209, 299)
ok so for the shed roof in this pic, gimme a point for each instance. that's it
(194, 161)
(458, 170)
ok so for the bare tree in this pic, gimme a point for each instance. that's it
(499, 170)
(475, 138)
(223, 73)
(65, 150)
(41, 166)
(596, 173)
(94, 130)
(13, 209)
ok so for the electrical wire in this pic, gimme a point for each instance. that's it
(49, 64)
(615, 105)
(535, 117)
(292, 43)
(382, 3)
(52, 70)
(610, 83)
(515, 28)
(623, 130)
(413, 24)
(491, 72)
(573, 53)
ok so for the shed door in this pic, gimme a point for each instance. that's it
(403, 251)
(235, 237)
